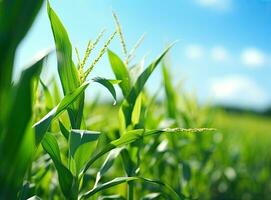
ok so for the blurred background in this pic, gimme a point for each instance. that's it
(223, 54)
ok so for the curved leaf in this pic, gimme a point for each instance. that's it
(107, 164)
(17, 138)
(134, 135)
(166, 189)
(48, 97)
(80, 137)
(66, 69)
(42, 125)
(121, 72)
(64, 130)
(108, 84)
(129, 103)
(65, 177)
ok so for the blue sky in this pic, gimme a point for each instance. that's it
(223, 53)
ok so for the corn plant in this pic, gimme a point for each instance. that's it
(74, 150)
(80, 158)
(131, 110)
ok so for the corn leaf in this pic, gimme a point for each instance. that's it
(152, 196)
(66, 69)
(21, 14)
(115, 197)
(137, 110)
(129, 102)
(80, 137)
(127, 138)
(80, 148)
(18, 139)
(108, 84)
(64, 130)
(166, 189)
(42, 126)
(65, 177)
(121, 72)
(170, 93)
(109, 161)
(135, 135)
(48, 97)
(128, 163)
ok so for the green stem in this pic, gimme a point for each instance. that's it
(130, 194)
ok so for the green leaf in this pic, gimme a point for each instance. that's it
(170, 93)
(136, 70)
(34, 198)
(128, 104)
(164, 187)
(80, 137)
(48, 98)
(63, 130)
(135, 135)
(80, 148)
(107, 164)
(114, 81)
(121, 72)
(137, 110)
(42, 126)
(21, 14)
(107, 185)
(65, 177)
(17, 138)
(128, 163)
(127, 138)
(67, 71)
(115, 197)
(107, 83)
(152, 196)
(144, 76)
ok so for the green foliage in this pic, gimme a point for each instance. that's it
(66, 69)
(165, 188)
(121, 72)
(170, 93)
(18, 139)
(42, 125)
(10, 38)
(65, 177)
(143, 148)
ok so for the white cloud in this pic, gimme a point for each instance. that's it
(219, 53)
(221, 5)
(253, 57)
(194, 52)
(238, 90)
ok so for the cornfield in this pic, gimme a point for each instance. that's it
(57, 144)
